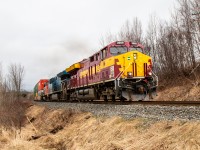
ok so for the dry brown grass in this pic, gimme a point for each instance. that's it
(82, 131)
(179, 89)
(12, 111)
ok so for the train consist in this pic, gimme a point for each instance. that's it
(119, 71)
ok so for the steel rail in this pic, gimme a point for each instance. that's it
(172, 103)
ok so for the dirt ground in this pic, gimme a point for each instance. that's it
(59, 130)
(179, 89)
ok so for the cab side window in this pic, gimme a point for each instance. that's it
(103, 53)
(97, 56)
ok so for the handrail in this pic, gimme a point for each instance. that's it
(122, 71)
(119, 75)
(156, 78)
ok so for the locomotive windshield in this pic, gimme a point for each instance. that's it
(118, 50)
(136, 49)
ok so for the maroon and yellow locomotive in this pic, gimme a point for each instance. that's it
(120, 70)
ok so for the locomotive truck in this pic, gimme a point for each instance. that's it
(119, 71)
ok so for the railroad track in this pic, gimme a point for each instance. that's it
(156, 110)
(173, 103)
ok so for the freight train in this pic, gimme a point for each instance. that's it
(119, 71)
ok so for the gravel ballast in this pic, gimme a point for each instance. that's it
(157, 112)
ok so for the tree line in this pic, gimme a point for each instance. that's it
(174, 45)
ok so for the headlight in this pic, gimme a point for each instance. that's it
(149, 70)
(134, 44)
(135, 56)
(120, 42)
(129, 73)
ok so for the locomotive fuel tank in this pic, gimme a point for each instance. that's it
(86, 94)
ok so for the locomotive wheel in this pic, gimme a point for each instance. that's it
(152, 94)
(122, 99)
(105, 98)
(113, 98)
(50, 97)
(41, 98)
(45, 98)
(58, 96)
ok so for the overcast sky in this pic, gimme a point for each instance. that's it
(47, 36)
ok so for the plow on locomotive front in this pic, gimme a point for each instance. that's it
(120, 71)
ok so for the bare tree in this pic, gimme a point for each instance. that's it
(1, 82)
(175, 44)
(188, 27)
(195, 9)
(131, 31)
(108, 38)
(151, 39)
(125, 32)
(11, 108)
(16, 76)
(175, 47)
(137, 30)
(1, 77)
